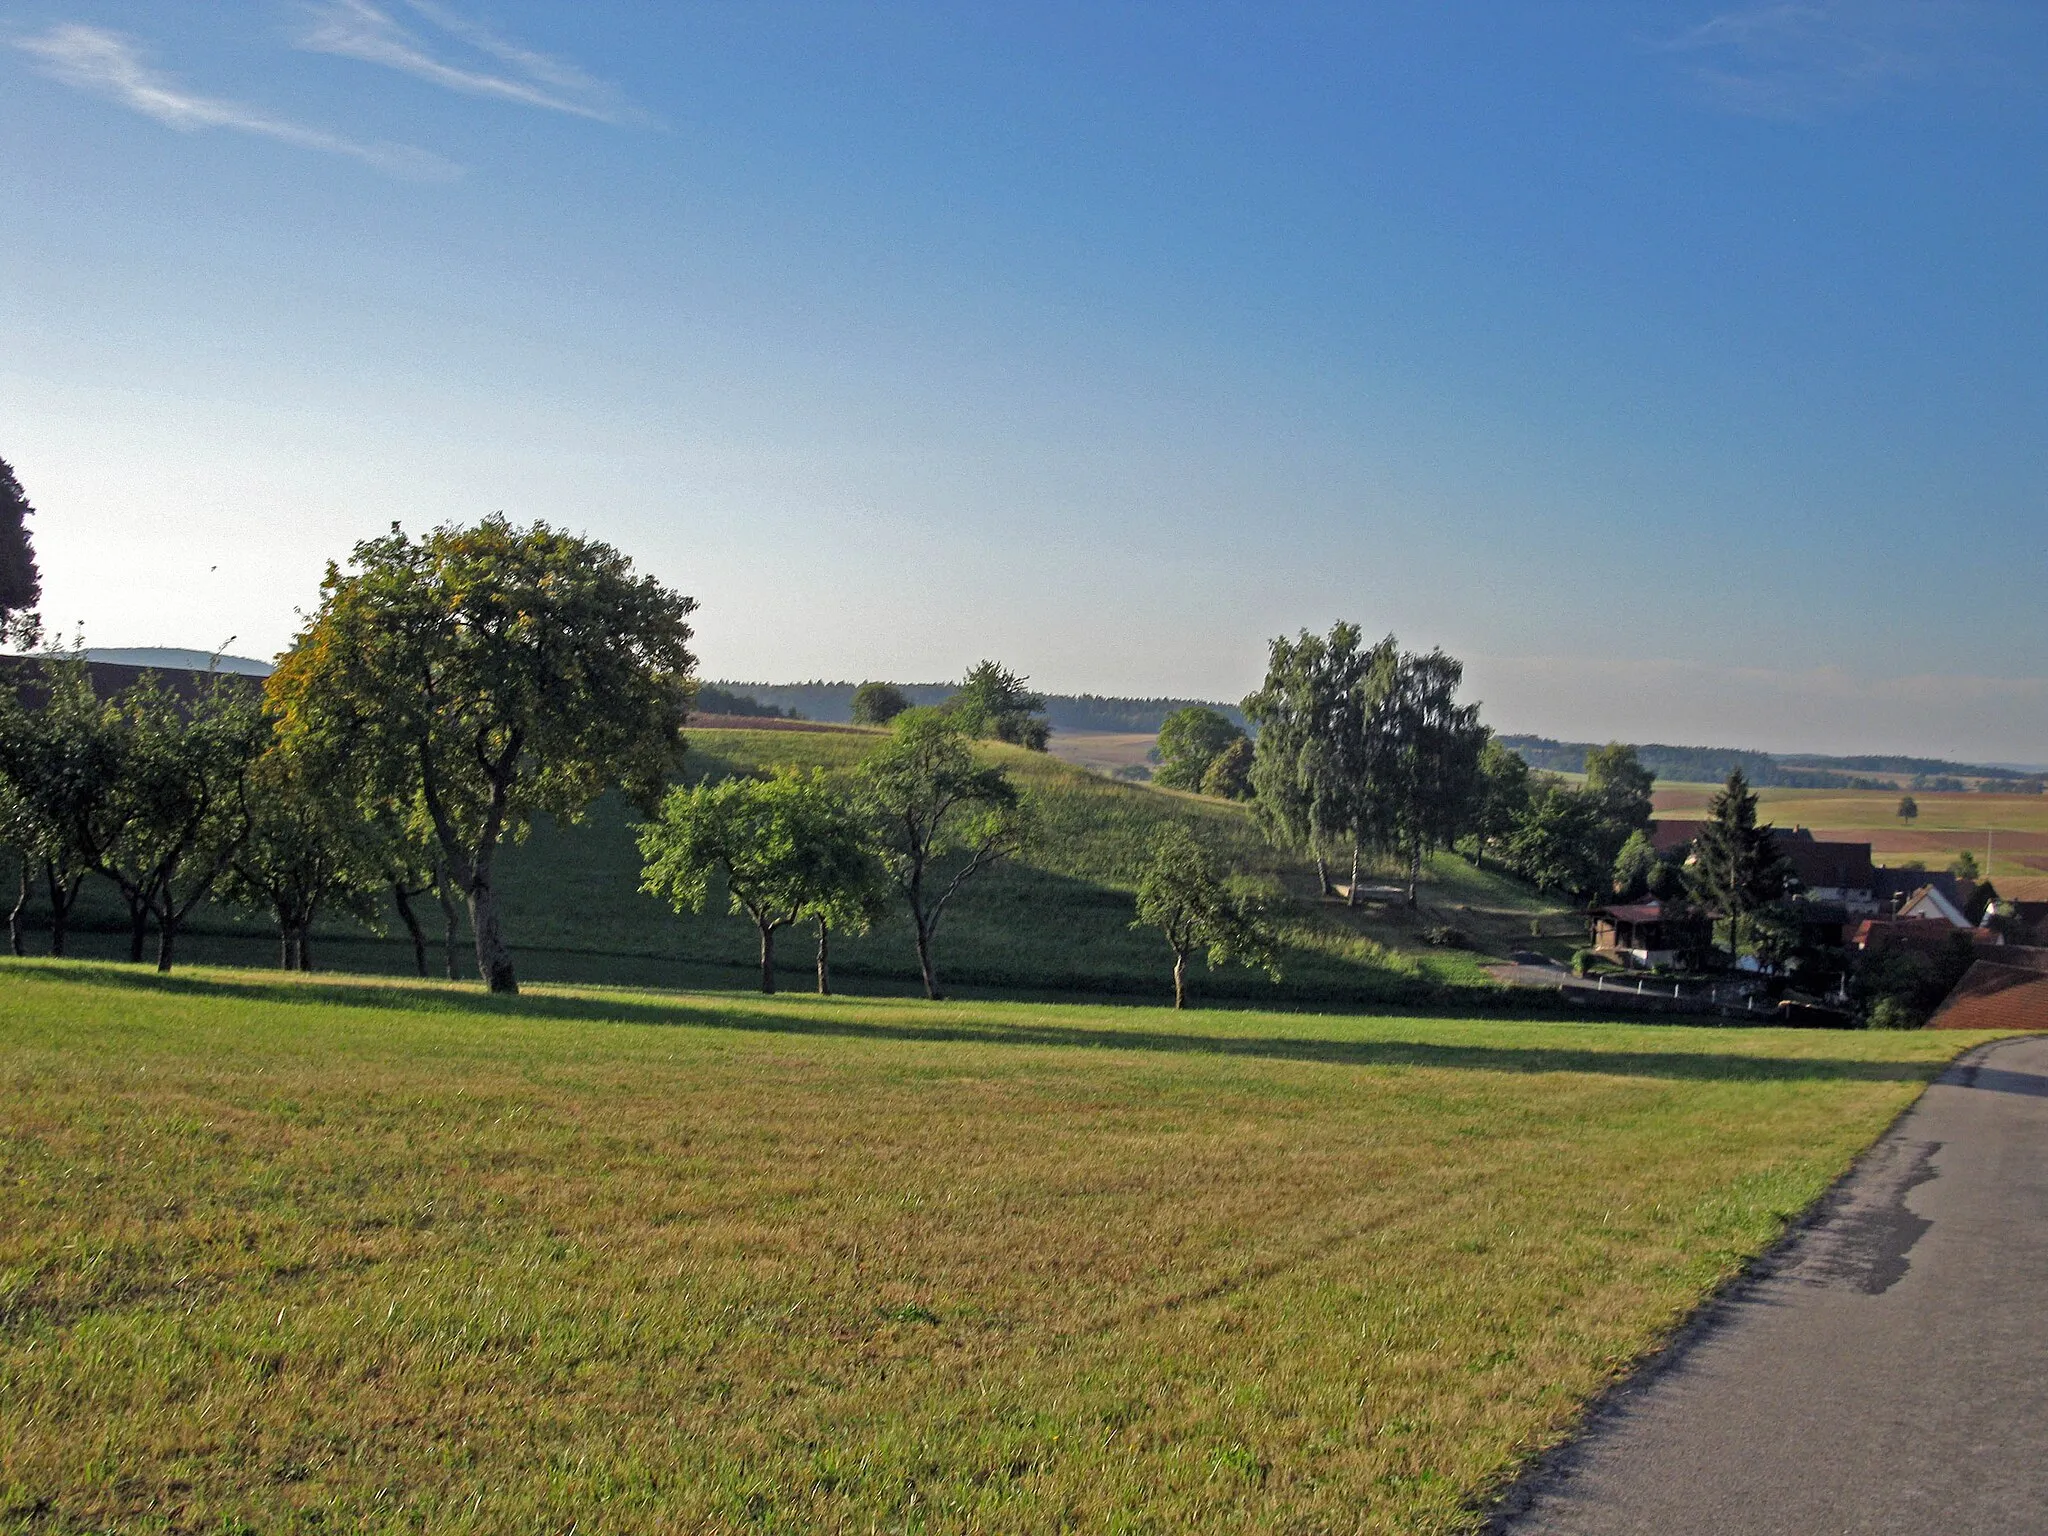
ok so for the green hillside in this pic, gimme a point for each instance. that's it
(1054, 922)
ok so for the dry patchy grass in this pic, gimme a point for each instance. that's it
(295, 1256)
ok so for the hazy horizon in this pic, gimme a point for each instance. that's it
(1683, 374)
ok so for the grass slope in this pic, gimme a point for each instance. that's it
(1053, 923)
(290, 1256)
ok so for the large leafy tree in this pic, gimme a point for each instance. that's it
(1618, 781)
(478, 677)
(1183, 892)
(1501, 800)
(1555, 845)
(995, 702)
(414, 866)
(60, 764)
(1190, 740)
(851, 888)
(177, 812)
(1736, 866)
(307, 850)
(878, 703)
(1311, 739)
(1638, 869)
(20, 583)
(785, 847)
(1229, 774)
(942, 817)
(1422, 757)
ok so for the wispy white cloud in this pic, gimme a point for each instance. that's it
(1800, 58)
(373, 33)
(109, 65)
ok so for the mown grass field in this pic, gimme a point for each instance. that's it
(311, 1256)
(2011, 830)
(1055, 922)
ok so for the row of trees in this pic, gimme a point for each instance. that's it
(450, 689)
(178, 798)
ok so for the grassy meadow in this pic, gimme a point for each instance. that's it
(2014, 828)
(299, 1255)
(1053, 923)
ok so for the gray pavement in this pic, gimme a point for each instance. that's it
(1886, 1372)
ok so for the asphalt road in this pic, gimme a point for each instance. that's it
(1886, 1373)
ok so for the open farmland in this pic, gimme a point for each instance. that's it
(2014, 828)
(1104, 751)
(287, 1255)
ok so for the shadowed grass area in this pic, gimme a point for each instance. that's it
(287, 1255)
(1354, 1041)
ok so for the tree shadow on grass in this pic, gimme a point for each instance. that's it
(832, 1018)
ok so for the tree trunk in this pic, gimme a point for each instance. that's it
(61, 898)
(1180, 978)
(306, 947)
(451, 921)
(138, 930)
(824, 958)
(925, 964)
(767, 956)
(1323, 873)
(1351, 897)
(166, 942)
(493, 959)
(411, 920)
(284, 946)
(14, 917)
(1414, 872)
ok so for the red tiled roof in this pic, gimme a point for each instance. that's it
(2020, 957)
(1647, 912)
(1995, 997)
(1842, 865)
(1667, 835)
(1925, 932)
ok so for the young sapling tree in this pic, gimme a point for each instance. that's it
(1184, 894)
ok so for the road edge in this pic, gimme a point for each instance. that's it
(1552, 1465)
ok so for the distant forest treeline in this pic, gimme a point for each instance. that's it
(833, 702)
(1711, 765)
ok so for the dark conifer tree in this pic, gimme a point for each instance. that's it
(1736, 866)
(20, 583)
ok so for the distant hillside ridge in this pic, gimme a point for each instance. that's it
(1767, 770)
(1065, 711)
(173, 658)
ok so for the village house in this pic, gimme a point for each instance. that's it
(1649, 933)
(1831, 872)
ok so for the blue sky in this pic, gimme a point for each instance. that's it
(1681, 367)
